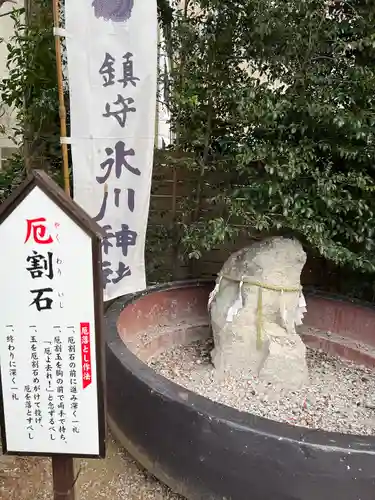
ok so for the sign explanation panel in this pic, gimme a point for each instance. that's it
(51, 351)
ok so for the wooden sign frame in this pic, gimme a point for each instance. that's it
(41, 180)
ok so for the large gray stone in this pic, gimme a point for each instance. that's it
(275, 262)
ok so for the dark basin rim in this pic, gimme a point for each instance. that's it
(332, 441)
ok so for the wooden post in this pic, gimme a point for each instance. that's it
(63, 478)
(62, 466)
(62, 110)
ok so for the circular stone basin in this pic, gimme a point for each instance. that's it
(204, 450)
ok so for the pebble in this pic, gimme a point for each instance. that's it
(339, 397)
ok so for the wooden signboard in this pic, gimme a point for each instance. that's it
(51, 311)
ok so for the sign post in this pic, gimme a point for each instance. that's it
(51, 347)
(63, 478)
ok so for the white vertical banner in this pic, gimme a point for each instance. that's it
(112, 71)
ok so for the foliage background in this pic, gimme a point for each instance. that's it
(31, 89)
(290, 138)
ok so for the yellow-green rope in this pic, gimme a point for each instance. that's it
(261, 286)
(259, 342)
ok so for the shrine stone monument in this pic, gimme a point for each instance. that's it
(255, 306)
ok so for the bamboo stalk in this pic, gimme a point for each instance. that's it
(175, 246)
(198, 198)
(156, 141)
(204, 161)
(174, 193)
(62, 109)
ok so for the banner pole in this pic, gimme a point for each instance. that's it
(156, 144)
(63, 465)
(62, 109)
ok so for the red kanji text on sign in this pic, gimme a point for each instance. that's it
(86, 354)
(38, 232)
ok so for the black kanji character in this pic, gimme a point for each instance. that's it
(107, 236)
(122, 113)
(107, 70)
(103, 208)
(40, 265)
(131, 198)
(123, 271)
(125, 238)
(42, 303)
(119, 162)
(107, 271)
(128, 71)
(117, 193)
(117, 11)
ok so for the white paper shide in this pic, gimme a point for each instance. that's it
(112, 71)
(47, 324)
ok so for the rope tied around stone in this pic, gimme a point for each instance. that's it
(261, 286)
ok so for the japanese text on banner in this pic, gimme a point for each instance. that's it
(113, 152)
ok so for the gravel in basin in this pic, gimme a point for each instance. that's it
(340, 396)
